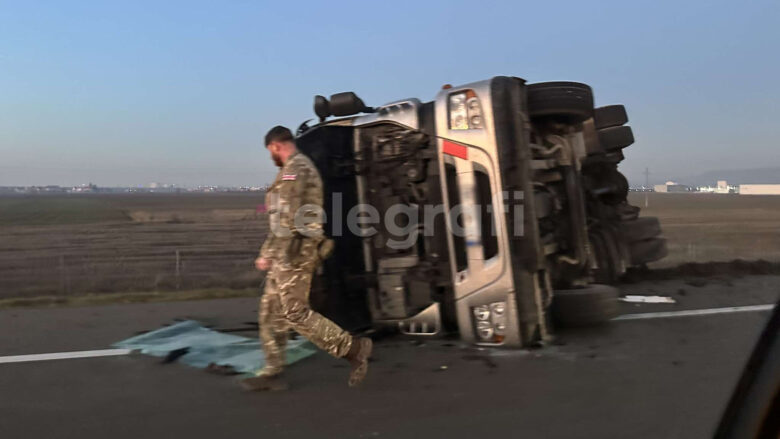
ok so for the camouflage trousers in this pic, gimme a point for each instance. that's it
(284, 306)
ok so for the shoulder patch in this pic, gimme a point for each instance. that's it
(289, 177)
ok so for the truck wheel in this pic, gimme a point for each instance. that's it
(648, 250)
(616, 137)
(614, 156)
(640, 229)
(591, 305)
(627, 212)
(569, 102)
(618, 187)
(610, 116)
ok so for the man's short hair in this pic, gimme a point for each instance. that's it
(278, 134)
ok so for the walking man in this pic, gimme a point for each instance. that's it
(290, 255)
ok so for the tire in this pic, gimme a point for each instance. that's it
(640, 229)
(591, 305)
(568, 102)
(610, 116)
(649, 250)
(620, 188)
(627, 212)
(616, 137)
(614, 156)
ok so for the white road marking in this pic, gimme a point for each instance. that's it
(695, 312)
(64, 355)
(649, 315)
(647, 299)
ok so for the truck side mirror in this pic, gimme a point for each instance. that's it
(321, 107)
(347, 104)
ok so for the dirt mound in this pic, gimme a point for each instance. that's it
(192, 215)
(735, 268)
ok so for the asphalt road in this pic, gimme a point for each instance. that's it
(654, 378)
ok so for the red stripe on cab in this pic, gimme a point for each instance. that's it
(455, 149)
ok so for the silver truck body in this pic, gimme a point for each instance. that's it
(526, 212)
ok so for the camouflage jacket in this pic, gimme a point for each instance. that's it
(294, 206)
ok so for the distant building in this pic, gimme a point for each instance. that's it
(722, 187)
(672, 187)
(759, 189)
(163, 188)
(32, 189)
(84, 188)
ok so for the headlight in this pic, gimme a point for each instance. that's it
(459, 115)
(465, 111)
(500, 329)
(482, 312)
(499, 319)
(490, 322)
(484, 330)
(475, 113)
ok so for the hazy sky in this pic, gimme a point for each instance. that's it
(124, 93)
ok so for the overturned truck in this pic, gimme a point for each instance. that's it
(495, 211)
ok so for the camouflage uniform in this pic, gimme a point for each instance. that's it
(293, 250)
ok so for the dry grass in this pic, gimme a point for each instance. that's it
(99, 249)
(138, 297)
(67, 247)
(712, 227)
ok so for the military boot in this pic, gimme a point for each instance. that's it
(264, 382)
(357, 356)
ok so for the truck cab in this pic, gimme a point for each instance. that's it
(494, 211)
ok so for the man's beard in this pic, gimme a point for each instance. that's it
(277, 160)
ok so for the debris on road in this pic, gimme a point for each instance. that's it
(696, 282)
(192, 344)
(735, 269)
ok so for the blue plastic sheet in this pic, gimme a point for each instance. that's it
(205, 346)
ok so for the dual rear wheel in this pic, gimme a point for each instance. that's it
(615, 243)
